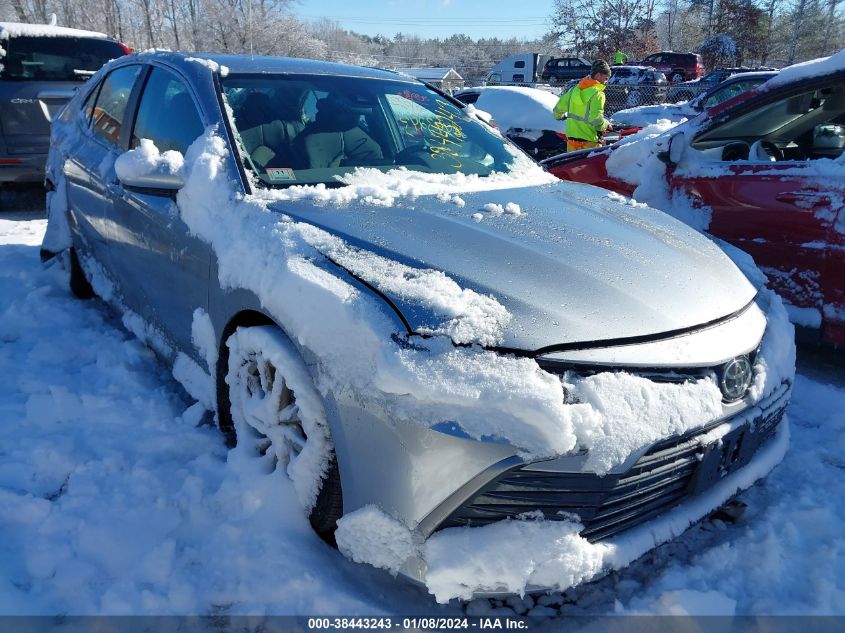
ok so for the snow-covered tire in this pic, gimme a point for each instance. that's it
(277, 414)
(79, 284)
(677, 77)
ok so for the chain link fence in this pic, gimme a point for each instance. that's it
(622, 96)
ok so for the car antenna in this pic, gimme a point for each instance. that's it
(249, 18)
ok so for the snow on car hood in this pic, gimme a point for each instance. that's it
(621, 270)
(641, 116)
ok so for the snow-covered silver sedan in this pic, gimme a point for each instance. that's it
(474, 374)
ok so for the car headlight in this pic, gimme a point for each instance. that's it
(735, 378)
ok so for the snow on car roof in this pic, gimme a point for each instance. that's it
(284, 65)
(516, 106)
(806, 70)
(17, 29)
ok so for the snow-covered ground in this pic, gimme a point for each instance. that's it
(118, 496)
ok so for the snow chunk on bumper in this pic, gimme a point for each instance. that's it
(370, 536)
(626, 413)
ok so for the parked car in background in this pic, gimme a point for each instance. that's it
(559, 70)
(676, 112)
(40, 68)
(676, 66)
(293, 223)
(688, 90)
(522, 69)
(764, 171)
(631, 86)
(524, 115)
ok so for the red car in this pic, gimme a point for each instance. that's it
(676, 66)
(764, 171)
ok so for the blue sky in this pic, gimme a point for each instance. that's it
(433, 18)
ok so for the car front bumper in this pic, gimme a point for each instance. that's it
(618, 517)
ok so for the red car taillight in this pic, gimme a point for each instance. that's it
(126, 49)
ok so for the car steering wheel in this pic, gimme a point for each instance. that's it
(772, 150)
(412, 154)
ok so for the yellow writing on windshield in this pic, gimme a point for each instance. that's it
(446, 134)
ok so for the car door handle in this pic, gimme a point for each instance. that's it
(805, 199)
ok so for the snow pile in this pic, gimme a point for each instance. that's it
(380, 188)
(453, 198)
(146, 160)
(643, 116)
(634, 160)
(370, 536)
(509, 555)
(620, 413)
(485, 394)
(518, 107)
(57, 237)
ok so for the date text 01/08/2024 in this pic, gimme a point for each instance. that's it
(417, 623)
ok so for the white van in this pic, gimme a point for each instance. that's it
(522, 69)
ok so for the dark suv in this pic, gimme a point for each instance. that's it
(560, 69)
(41, 69)
(676, 66)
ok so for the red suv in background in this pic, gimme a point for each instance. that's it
(676, 66)
(766, 171)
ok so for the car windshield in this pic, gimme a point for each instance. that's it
(310, 129)
(56, 58)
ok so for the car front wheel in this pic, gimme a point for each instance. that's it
(272, 411)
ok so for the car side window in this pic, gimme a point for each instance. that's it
(783, 129)
(728, 92)
(88, 106)
(166, 114)
(112, 99)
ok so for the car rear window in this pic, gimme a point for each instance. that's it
(55, 58)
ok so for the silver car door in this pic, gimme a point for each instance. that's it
(165, 267)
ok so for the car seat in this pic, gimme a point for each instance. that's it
(268, 137)
(335, 139)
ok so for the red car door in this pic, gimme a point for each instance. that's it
(792, 222)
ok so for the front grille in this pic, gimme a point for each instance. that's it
(667, 473)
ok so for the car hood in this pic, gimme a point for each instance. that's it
(577, 266)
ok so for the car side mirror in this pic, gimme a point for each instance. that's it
(148, 171)
(677, 145)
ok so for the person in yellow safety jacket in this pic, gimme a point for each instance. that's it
(619, 58)
(583, 108)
